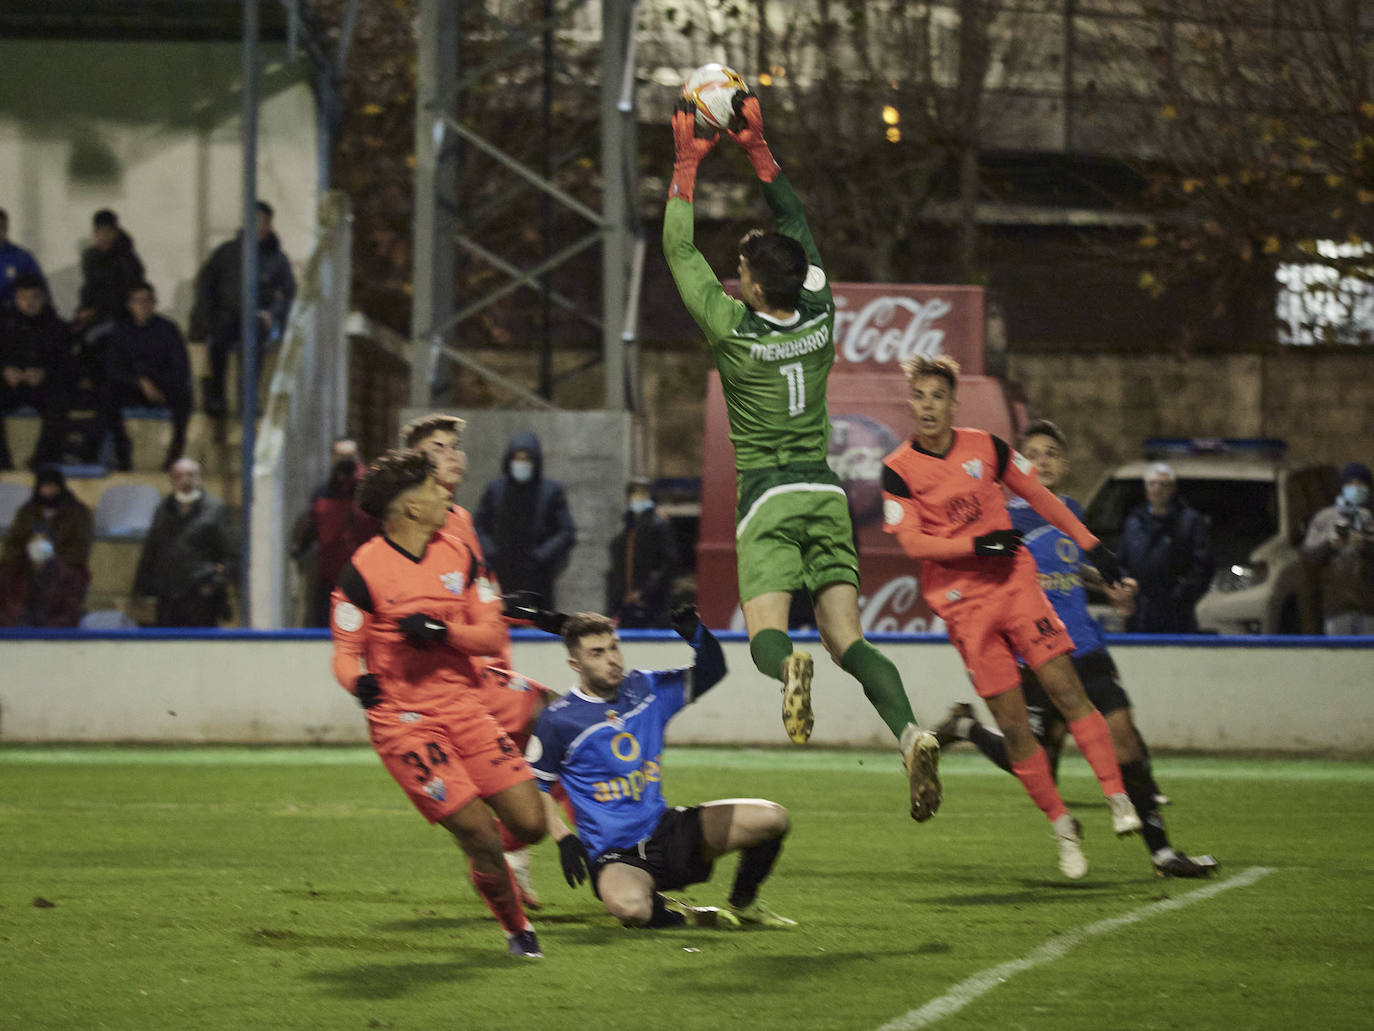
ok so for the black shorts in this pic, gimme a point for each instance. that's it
(1101, 682)
(671, 855)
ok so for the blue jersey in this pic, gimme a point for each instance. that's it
(1057, 558)
(607, 755)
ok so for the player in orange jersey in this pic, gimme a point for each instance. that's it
(411, 617)
(943, 500)
(515, 700)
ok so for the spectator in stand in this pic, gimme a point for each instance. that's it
(336, 524)
(1340, 541)
(14, 262)
(643, 562)
(38, 589)
(216, 317)
(34, 345)
(1166, 546)
(523, 523)
(109, 268)
(56, 514)
(189, 555)
(146, 366)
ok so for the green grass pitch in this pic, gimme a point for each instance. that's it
(295, 888)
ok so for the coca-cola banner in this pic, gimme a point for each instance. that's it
(885, 323)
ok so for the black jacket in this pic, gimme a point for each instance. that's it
(107, 277)
(525, 529)
(1171, 557)
(650, 540)
(156, 350)
(43, 341)
(215, 315)
(182, 548)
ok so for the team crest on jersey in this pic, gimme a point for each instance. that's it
(454, 582)
(974, 467)
(435, 789)
(410, 717)
(613, 718)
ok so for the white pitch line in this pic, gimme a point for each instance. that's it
(971, 988)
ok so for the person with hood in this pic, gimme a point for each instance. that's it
(189, 555)
(523, 523)
(1340, 542)
(336, 524)
(146, 366)
(216, 317)
(56, 514)
(15, 261)
(38, 589)
(109, 268)
(34, 350)
(1166, 545)
(643, 562)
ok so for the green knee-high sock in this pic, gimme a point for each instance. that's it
(882, 684)
(769, 648)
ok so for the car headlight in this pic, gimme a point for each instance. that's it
(1240, 577)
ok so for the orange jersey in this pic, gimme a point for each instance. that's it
(381, 585)
(936, 505)
(459, 523)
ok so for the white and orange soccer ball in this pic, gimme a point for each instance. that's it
(712, 88)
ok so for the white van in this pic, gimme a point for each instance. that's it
(1259, 506)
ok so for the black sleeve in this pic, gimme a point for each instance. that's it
(1003, 450)
(894, 484)
(354, 587)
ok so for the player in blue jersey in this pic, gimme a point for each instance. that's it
(1059, 563)
(603, 741)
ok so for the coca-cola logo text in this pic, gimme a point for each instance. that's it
(896, 607)
(890, 328)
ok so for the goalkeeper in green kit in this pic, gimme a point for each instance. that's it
(774, 351)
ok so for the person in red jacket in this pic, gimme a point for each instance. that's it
(943, 501)
(411, 615)
(334, 525)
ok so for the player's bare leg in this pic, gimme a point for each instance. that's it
(754, 827)
(1093, 737)
(629, 896)
(476, 834)
(1032, 769)
(837, 616)
(765, 618)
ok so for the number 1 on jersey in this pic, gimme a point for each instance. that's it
(796, 387)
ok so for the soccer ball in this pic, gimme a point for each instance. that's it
(712, 88)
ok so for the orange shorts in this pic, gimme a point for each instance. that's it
(514, 700)
(992, 632)
(443, 761)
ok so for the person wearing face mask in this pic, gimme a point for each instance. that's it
(1340, 542)
(335, 525)
(38, 589)
(643, 562)
(56, 513)
(1166, 545)
(523, 523)
(190, 554)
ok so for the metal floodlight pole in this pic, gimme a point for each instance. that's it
(248, 302)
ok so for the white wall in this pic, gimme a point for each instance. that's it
(1312, 700)
(150, 129)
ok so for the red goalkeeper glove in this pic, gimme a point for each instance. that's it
(751, 137)
(688, 150)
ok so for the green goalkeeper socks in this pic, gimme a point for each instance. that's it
(882, 684)
(768, 648)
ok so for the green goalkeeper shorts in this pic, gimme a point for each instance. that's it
(792, 530)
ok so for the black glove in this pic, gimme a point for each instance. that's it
(527, 608)
(685, 620)
(1106, 564)
(368, 690)
(573, 855)
(421, 629)
(998, 544)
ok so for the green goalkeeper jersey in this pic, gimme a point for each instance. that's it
(774, 374)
